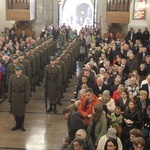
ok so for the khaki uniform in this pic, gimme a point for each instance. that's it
(26, 65)
(53, 81)
(18, 94)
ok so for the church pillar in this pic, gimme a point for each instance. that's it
(39, 23)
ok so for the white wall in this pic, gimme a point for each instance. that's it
(3, 22)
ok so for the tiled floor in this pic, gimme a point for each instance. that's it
(43, 131)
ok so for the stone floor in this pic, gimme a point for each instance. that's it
(44, 131)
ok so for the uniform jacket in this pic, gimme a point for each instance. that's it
(53, 81)
(18, 94)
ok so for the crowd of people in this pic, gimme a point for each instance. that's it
(25, 61)
(112, 101)
(112, 107)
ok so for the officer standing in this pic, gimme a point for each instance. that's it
(53, 81)
(18, 96)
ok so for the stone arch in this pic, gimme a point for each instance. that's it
(69, 12)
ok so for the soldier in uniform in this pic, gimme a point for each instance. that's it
(37, 61)
(11, 66)
(31, 59)
(25, 63)
(18, 96)
(53, 81)
(64, 76)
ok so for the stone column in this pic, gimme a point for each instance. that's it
(38, 24)
(48, 12)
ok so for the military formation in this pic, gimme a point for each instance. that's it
(40, 60)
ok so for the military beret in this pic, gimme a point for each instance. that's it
(21, 53)
(52, 58)
(15, 56)
(18, 67)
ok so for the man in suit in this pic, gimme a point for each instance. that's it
(99, 87)
(146, 86)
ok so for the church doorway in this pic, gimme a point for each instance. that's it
(77, 13)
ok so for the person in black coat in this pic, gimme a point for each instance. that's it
(99, 87)
(146, 123)
(123, 101)
(142, 101)
(75, 122)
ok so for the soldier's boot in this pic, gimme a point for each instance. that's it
(33, 88)
(59, 102)
(55, 110)
(30, 93)
(21, 118)
(50, 108)
(17, 126)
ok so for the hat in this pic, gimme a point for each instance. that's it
(52, 58)
(57, 54)
(18, 67)
(112, 133)
(106, 92)
(15, 56)
(26, 49)
(21, 53)
(63, 48)
(32, 47)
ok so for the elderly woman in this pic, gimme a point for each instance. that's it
(108, 105)
(101, 74)
(97, 126)
(108, 102)
(142, 101)
(83, 135)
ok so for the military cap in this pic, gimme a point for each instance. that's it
(70, 40)
(21, 53)
(36, 44)
(18, 67)
(63, 48)
(52, 58)
(66, 44)
(57, 54)
(50, 36)
(15, 56)
(32, 47)
(26, 49)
